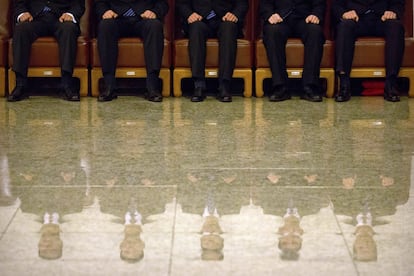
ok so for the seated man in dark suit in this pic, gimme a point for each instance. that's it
(357, 18)
(206, 18)
(123, 18)
(303, 19)
(36, 18)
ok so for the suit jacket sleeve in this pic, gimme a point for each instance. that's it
(19, 7)
(266, 9)
(318, 9)
(100, 7)
(185, 8)
(397, 6)
(77, 8)
(338, 9)
(160, 8)
(240, 9)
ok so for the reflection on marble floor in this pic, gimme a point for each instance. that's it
(177, 188)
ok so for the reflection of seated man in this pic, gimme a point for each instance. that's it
(132, 247)
(211, 242)
(365, 248)
(50, 244)
(290, 241)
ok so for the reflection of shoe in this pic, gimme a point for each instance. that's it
(391, 94)
(69, 94)
(198, 95)
(311, 93)
(154, 96)
(107, 95)
(19, 93)
(279, 93)
(224, 95)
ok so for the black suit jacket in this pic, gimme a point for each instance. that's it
(159, 7)
(35, 7)
(339, 7)
(221, 7)
(301, 8)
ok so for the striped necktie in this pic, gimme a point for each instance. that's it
(210, 15)
(46, 9)
(129, 13)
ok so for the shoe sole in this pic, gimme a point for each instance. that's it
(312, 100)
(280, 99)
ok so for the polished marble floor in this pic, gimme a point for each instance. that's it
(131, 187)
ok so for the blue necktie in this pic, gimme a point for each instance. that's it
(210, 15)
(129, 13)
(46, 9)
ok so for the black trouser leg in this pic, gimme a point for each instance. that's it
(197, 35)
(274, 38)
(153, 36)
(227, 35)
(108, 35)
(313, 40)
(345, 46)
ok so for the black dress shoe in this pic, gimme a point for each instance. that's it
(391, 94)
(153, 96)
(107, 95)
(279, 93)
(224, 96)
(311, 93)
(198, 95)
(69, 94)
(19, 93)
(344, 94)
